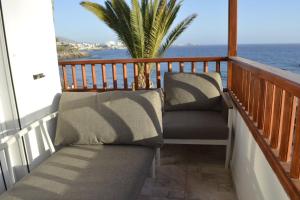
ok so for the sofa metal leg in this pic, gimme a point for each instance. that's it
(228, 149)
(157, 157)
(153, 169)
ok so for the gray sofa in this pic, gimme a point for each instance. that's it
(108, 143)
(197, 111)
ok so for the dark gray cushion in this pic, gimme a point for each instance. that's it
(187, 91)
(90, 172)
(77, 119)
(130, 117)
(118, 117)
(194, 125)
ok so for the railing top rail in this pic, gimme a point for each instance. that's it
(143, 60)
(285, 79)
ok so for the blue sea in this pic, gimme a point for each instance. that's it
(284, 56)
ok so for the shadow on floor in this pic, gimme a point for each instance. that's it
(190, 173)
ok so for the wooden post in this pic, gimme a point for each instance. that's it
(158, 78)
(104, 79)
(232, 36)
(136, 79)
(83, 71)
(114, 75)
(94, 78)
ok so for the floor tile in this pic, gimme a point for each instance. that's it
(190, 172)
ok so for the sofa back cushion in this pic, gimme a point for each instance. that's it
(118, 117)
(77, 119)
(188, 91)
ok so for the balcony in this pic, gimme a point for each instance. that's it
(265, 97)
(264, 161)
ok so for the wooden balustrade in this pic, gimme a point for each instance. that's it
(268, 100)
(152, 69)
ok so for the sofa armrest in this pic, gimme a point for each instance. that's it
(226, 100)
(227, 105)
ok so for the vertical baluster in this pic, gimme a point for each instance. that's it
(288, 122)
(245, 90)
(169, 67)
(83, 70)
(241, 82)
(255, 99)
(238, 82)
(136, 73)
(181, 67)
(94, 76)
(218, 66)
(246, 85)
(104, 80)
(233, 82)
(229, 75)
(205, 66)
(295, 164)
(251, 94)
(146, 71)
(248, 92)
(125, 76)
(158, 78)
(114, 74)
(242, 85)
(193, 67)
(277, 117)
(269, 109)
(74, 76)
(66, 86)
(261, 103)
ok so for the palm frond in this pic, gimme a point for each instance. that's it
(144, 25)
(175, 33)
(137, 28)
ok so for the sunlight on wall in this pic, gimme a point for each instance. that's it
(252, 174)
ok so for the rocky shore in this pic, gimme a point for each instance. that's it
(71, 54)
(66, 51)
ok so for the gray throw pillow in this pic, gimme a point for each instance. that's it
(77, 119)
(118, 117)
(188, 91)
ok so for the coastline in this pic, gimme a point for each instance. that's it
(72, 54)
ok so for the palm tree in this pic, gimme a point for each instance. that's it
(144, 27)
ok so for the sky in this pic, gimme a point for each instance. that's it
(260, 22)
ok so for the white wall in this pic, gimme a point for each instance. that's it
(253, 177)
(31, 47)
(8, 113)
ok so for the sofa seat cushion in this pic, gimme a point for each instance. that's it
(93, 172)
(207, 125)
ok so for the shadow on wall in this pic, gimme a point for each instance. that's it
(28, 119)
(36, 143)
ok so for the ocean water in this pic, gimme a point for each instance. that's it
(284, 56)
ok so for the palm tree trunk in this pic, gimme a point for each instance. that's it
(142, 79)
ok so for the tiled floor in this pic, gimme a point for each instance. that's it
(190, 173)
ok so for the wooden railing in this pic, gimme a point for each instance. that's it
(122, 74)
(268, 100)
